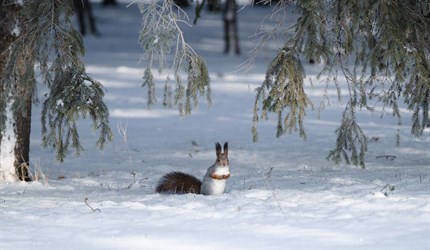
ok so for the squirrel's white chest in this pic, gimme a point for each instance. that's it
(211, 186)
(221, 171)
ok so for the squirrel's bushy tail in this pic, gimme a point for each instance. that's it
(178, 183)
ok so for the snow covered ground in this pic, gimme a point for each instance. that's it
(282, 194)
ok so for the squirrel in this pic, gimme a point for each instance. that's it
(213, 182)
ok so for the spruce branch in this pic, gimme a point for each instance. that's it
(148, 82)
(265, 34)
(350, 140)
(74, 96)
(381, 48)
(50, 40)
(282, 90)
(162, 37)
(167, 96)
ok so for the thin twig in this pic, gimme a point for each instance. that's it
(88, 205)
(387, 157)
(269, 186)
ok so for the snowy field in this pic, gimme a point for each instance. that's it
(282, 194)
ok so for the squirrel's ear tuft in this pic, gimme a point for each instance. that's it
(226, 148)
(218, 148)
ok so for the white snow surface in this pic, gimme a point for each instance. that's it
(282, 193)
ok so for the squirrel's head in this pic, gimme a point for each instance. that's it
(221, 157)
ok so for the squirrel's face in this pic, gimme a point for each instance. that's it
(221, 157)
(222, 160)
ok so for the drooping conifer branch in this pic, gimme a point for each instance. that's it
(51, 40)
(162, 40)
(282, 93)
(381, 48)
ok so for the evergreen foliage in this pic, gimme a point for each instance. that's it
(148, 82)
(350, 139)
(56, 46)
(381, 47)
(283, 90)
(160, 33)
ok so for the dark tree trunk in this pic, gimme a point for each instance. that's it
(182, 3)
(25, 85)
(8, 13)
(230, 26)
(23, 89)
(214, 5)
(23, 123)
(83, 9)
(109, 2)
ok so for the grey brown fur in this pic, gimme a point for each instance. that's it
(178, 183)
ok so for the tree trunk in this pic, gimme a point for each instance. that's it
(23, 122)
(16, 99)
(182, 3)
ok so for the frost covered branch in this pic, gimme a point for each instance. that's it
(350, 138)
(264, 35)
(282, 90)
(161, 37)
(381, 49)
(50, 40)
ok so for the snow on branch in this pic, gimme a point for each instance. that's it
(160, 38)
(282, 90)
(51, 42)
(381, 50)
